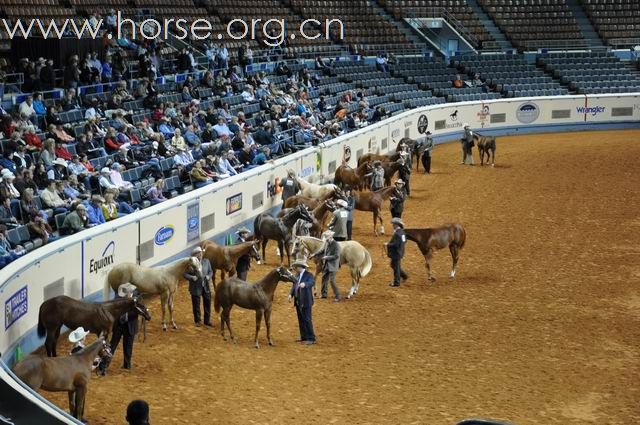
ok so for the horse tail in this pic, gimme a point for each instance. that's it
(462, 236)
(216, 298)
(256, 227)
(366, 268)
(42, 331)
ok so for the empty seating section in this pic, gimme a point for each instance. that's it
(362, 25)
(615, 19)
(459, 9)
(510, 75)
(532, 24)
(591, 72)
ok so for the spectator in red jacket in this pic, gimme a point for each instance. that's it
(62, 152)
(111, 142)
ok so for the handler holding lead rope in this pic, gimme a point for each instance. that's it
(395, 251)
(467, 145)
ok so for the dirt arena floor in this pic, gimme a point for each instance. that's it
(541, 325)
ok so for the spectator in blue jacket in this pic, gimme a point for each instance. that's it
(94, 210)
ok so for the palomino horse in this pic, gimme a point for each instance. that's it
(71, 373)
(433, 239)
(355, 178)
(352, 253)
(266, 227)
(371, 157)
(372, 201)
(94, 317)
(162, 280)
(294, 201)
(486, 145)
(320, 215)
(259, 297)
(225, 258)
(313, 190)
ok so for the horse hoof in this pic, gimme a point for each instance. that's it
(175, 326)
(257, 346)
(271, 344)
(164, 328)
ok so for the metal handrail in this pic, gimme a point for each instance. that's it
(441, 12)
(624, 42)
(533, 45)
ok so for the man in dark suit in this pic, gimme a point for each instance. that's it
(302, 294)
(244, 262)
(330, 253)
(396, 200)
(289, 185)
(395, 251)
(125, 327)
(426, 154)
(200, 287)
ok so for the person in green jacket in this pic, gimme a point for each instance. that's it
(75, 221)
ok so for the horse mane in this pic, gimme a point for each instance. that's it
(89, 348)
(385, 192)
(239, 247)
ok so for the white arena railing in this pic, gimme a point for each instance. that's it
(77, 265)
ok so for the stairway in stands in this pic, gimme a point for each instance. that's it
(490, 26)
(584, 24)
(402, 26)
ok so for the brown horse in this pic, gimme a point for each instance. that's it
(259, 297)
(71, 373)
(160, 280)
(355, 178)
(94, 317)
(486, 145)
(371, 157)
(319, 215)
(433, 239)
(225, 258)
(311, 203)
(390, 169)
(267, 227)
(372, 201)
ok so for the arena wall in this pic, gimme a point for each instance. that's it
(77, 265)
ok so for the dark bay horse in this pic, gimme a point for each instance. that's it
(94, 317)
(225, 258)
(390, 169)
(486, 145)
(373, 201)
(259, 297)
(71, 373)
(266, 227)
(433, 239)
(294, 201)
(355, 178)
(319, 214)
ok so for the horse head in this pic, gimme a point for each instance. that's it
(254, 253)
(194, 266)
(304, 213)
(141, 308)
(285, 275)
(101, 363)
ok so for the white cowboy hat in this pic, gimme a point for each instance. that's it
(397, 221)
(243, 230)
(465, 125)
(342, 203)
(78, 335)
(126, 289)
(327, 234)
(196, 250)
(399, 181)
(60, 161)
(105, 170)
(301, 263)
(7, 174)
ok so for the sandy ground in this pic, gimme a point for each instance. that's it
(541, 325)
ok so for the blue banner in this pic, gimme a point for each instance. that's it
(193, 222)
(15, 307)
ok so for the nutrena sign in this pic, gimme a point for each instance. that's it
(164, 234)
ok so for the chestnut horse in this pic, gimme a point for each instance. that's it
(371, 157)
(373, 201)
(259, 297)
(486, 145)
(225, 258)
(433, 239)
(94, 317)
(312, 203)
(161, 280)
(352, 177)
(70, 373)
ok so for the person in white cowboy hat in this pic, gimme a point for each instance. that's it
(377, 176)
(78, 338)
(339, 222)
(330, 255)
(404, 174)
(289, 185)
(396, 200)
(395, 251)
(467, 145)
(302, 294)
(59, 170)
(125, 327)
(200, 287)
(244, 262)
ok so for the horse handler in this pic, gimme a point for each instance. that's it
(244, 262)
(302, 294)
(200, 286)
(395, 251)
(467, 145)
(330, 264)
(78, 338)
(125, 327)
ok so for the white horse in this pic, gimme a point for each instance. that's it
(352, 253)
(315, 191)
(162, 280)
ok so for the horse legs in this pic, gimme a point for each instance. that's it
(50, 342)
(222, 324)
(163, 302)
(81, 393)
(72, 403)
(259, 314)
(226, 318)
(454, 256)
(493, 157)
(281, 247)
(427, 258)
(54, 345)
(354, 277)
(267, 321)
(171, 300)
(377, 216)
(264, 248)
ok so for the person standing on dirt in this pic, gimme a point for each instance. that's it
(377, 176)
(395, 251)
(289, 185)
(244, 262)
(200, 287)
(302, 294)
(339, 222)
(397, 198)
(351, 204)
(125, 327)
(330, 253)
(404, 174)
(426, 154)
(467, 145)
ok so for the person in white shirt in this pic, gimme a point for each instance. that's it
(183, 158)
(248, 94)
(26, 108)
(225, 166)
(221, 128)
(105, 181)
